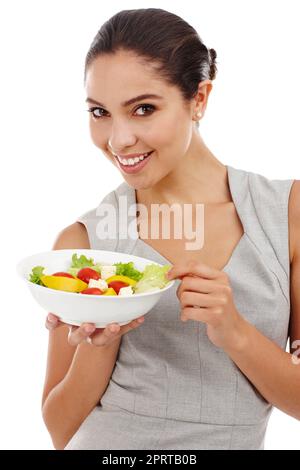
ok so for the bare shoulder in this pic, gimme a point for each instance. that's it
(294, 220)
(72, 236)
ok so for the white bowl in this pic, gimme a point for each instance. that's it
(76, 309)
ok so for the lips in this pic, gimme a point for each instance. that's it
(136, 167)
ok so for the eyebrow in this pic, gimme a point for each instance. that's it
(131, 101)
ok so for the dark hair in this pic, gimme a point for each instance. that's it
(161, 40)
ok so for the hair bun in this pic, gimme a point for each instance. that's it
(212, 55)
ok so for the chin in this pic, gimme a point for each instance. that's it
(136, 185)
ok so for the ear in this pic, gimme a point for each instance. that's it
(201, 99)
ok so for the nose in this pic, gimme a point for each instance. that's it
(121, 138)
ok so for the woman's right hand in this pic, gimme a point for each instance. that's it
(88, 333)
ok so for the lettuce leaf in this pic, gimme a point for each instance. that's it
(153, 278)
(81, 262)
(128, 269)
(36, 274)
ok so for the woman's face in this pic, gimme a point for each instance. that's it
(163, 125)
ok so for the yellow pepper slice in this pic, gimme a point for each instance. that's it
(119, 277)
(110, 291)
(64, 283)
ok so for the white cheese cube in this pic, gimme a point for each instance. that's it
(100, 283)
(107, 271)
(126, 291)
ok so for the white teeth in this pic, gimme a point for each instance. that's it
(132, 161)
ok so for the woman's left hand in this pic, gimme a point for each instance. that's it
(206, 295)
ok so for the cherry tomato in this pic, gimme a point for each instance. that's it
(117, 285)
(92, 291)
(85, 274)
(61, 273)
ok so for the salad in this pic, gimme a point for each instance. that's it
(84, 276)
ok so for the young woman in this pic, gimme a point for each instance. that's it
(204, 369)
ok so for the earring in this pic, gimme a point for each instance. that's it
(198, 115)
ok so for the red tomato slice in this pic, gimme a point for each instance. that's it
(92, 291)
(117, 285)
(85, 274)
(63, 274)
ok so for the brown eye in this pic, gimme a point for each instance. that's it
(147, 106)
(92, 110)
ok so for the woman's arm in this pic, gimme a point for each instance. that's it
(294, 217)
(76, 376)
(276, 373)
(77, 373)
(72, 399)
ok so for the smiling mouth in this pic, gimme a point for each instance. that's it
(131, 162)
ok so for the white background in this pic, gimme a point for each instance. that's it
(51, 172)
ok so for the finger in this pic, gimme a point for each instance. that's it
(130, 326)
(133, 324)
(106, 335)
(196, 284)
(79, 334)
(197, 314)
(190, 299)
(193, 267)
(52, 321)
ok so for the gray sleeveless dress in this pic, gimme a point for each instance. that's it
(171, 388)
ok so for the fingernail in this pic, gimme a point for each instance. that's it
(51, 319)
(89, 329)
(140, 320)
